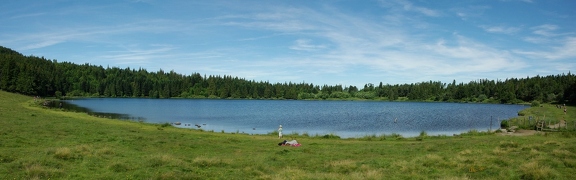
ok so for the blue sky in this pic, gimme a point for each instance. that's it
(321, 42)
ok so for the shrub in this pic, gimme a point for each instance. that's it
(504, 124)
(423, 134)
(165, 125)
(331, 136)
(521, 113)
(535, 103)
(58, 94)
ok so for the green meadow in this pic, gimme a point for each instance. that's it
(41, 143)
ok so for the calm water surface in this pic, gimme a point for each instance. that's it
(343, 118)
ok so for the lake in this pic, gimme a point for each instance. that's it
(346, 119)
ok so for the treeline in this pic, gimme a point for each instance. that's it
(33, 75)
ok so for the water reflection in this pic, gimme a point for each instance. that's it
(68, 106)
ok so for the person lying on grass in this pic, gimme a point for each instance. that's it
(289, 143)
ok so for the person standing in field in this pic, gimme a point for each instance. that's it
(280, 132)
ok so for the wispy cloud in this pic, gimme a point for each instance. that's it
(306, 45)
(56, 35)
(565, 51)
(547, 34)
(27, 15)
(386, 48)
(137, 56)
(501, 29)
(536, 40)
(426, 11)
(410, 7)
(545, 30)
(466, 13)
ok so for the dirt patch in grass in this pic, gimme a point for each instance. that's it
(524, 132)
(520, 132)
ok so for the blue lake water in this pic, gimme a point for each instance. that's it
(343, 118)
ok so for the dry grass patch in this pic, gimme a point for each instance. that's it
(176, 175)
(468, 156)
(570, 163)
(343, 166)
(37, 171)
(294, 173)
(535, 153)
(454, 178)
(210, 162)
(105, 151)
(508, 145)
(467, 152)
(164, 160)
(562, 153)
(63, 153)
(84, 149)
(367, 173)
(78, 152)
(532, 146)
(533, 170)
(403, 166)
(552, 143)
(499, 151)
(431, 160)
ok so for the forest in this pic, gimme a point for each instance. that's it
(38, 76)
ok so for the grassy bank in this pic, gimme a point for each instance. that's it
(38, 143)
(552, 114)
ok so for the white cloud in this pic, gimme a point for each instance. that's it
(536, 40)
(501, 29)
(465, 13)
(41, 44)
(56, 35)
(565, 51)
(409, 6)
(545, 30)
(425, 11)
(27, 15)
(467, 55)
(384, 48)
(305, 45)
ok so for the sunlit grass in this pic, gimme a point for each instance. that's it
(39, 143)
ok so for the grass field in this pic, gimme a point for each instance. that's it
(39, 143)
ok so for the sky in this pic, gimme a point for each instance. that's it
(332, 42)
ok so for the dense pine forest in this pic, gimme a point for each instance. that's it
(38, 76)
